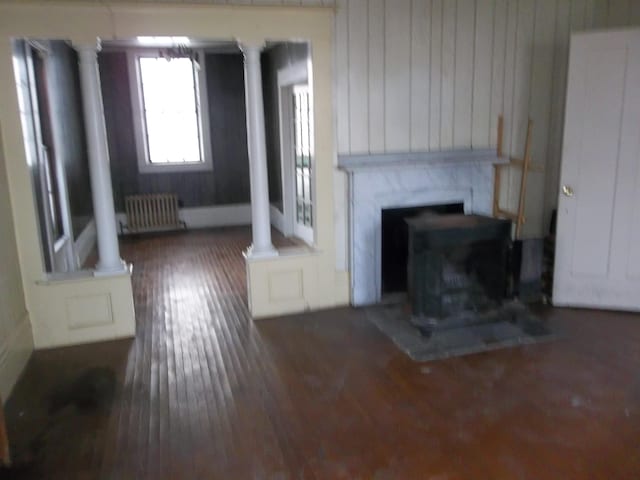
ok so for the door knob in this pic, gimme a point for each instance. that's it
(567, 191)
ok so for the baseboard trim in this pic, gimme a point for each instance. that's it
(277, 219)
(15, 351)
(207, 217)
(86, 242)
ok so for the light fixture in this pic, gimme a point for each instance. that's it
(163, 41)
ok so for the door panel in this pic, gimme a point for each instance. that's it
(600, 129)
(633, 265)
(598, 248)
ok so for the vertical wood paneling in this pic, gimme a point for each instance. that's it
(523, 59)
(600, 8)
(498, 71)
(464, 65)
(590, 10)
(435, 74)
(358, 76)
(634, 14)
(447, 87)
(342, 76)
(376, 76)
(420, 53)
(556, 123)
(540, 107)
(435, 77)
(578, 15)
(397, 74)
(522, 89)
(509, 88)
(618, 14)
(483, 64)
(509, 69)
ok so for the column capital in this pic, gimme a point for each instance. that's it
(87, 47)
(252, 46)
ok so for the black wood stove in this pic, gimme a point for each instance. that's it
(457, 263)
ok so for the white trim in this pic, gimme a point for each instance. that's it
(238, 214)
(15, 351)
(144, 166)
(86, 242)
(303, 232)
(277, 219)
(442, 158)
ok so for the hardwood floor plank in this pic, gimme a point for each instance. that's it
(205, 392)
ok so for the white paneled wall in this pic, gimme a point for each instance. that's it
(416, 75)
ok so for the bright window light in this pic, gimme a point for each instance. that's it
(170, 110)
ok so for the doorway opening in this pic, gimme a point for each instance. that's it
(287, 80)
(48, 87)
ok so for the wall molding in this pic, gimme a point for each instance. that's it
(86, 242)
(277, 219)
(14, 355)
(445, 158)
(232, 215)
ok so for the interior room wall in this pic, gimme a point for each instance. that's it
(420, 75)
(227, 183)
(274, 58)
(16, 341)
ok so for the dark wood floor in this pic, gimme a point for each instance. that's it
(203, 392)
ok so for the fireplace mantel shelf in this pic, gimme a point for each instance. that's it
(446, 158)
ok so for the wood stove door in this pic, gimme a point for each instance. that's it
(598, 234)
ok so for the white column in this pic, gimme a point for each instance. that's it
(260, 210)
(103, 210)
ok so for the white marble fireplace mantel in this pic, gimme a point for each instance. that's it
(380, 181)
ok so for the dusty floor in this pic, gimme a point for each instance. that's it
(203, 392)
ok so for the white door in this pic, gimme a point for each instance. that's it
(598, 233)
(303, 156)
(297, 151)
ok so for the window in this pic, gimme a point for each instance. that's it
(168, 104)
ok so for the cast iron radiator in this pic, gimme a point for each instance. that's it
(152, 212)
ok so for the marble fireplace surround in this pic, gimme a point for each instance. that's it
(377, 182)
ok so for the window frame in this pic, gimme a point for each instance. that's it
(139, 122)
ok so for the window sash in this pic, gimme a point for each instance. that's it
(171, 126)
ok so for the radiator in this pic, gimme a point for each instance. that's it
(153, 212)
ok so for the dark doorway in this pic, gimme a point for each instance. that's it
(395, 240)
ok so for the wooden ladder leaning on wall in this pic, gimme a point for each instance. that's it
(526, 165)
